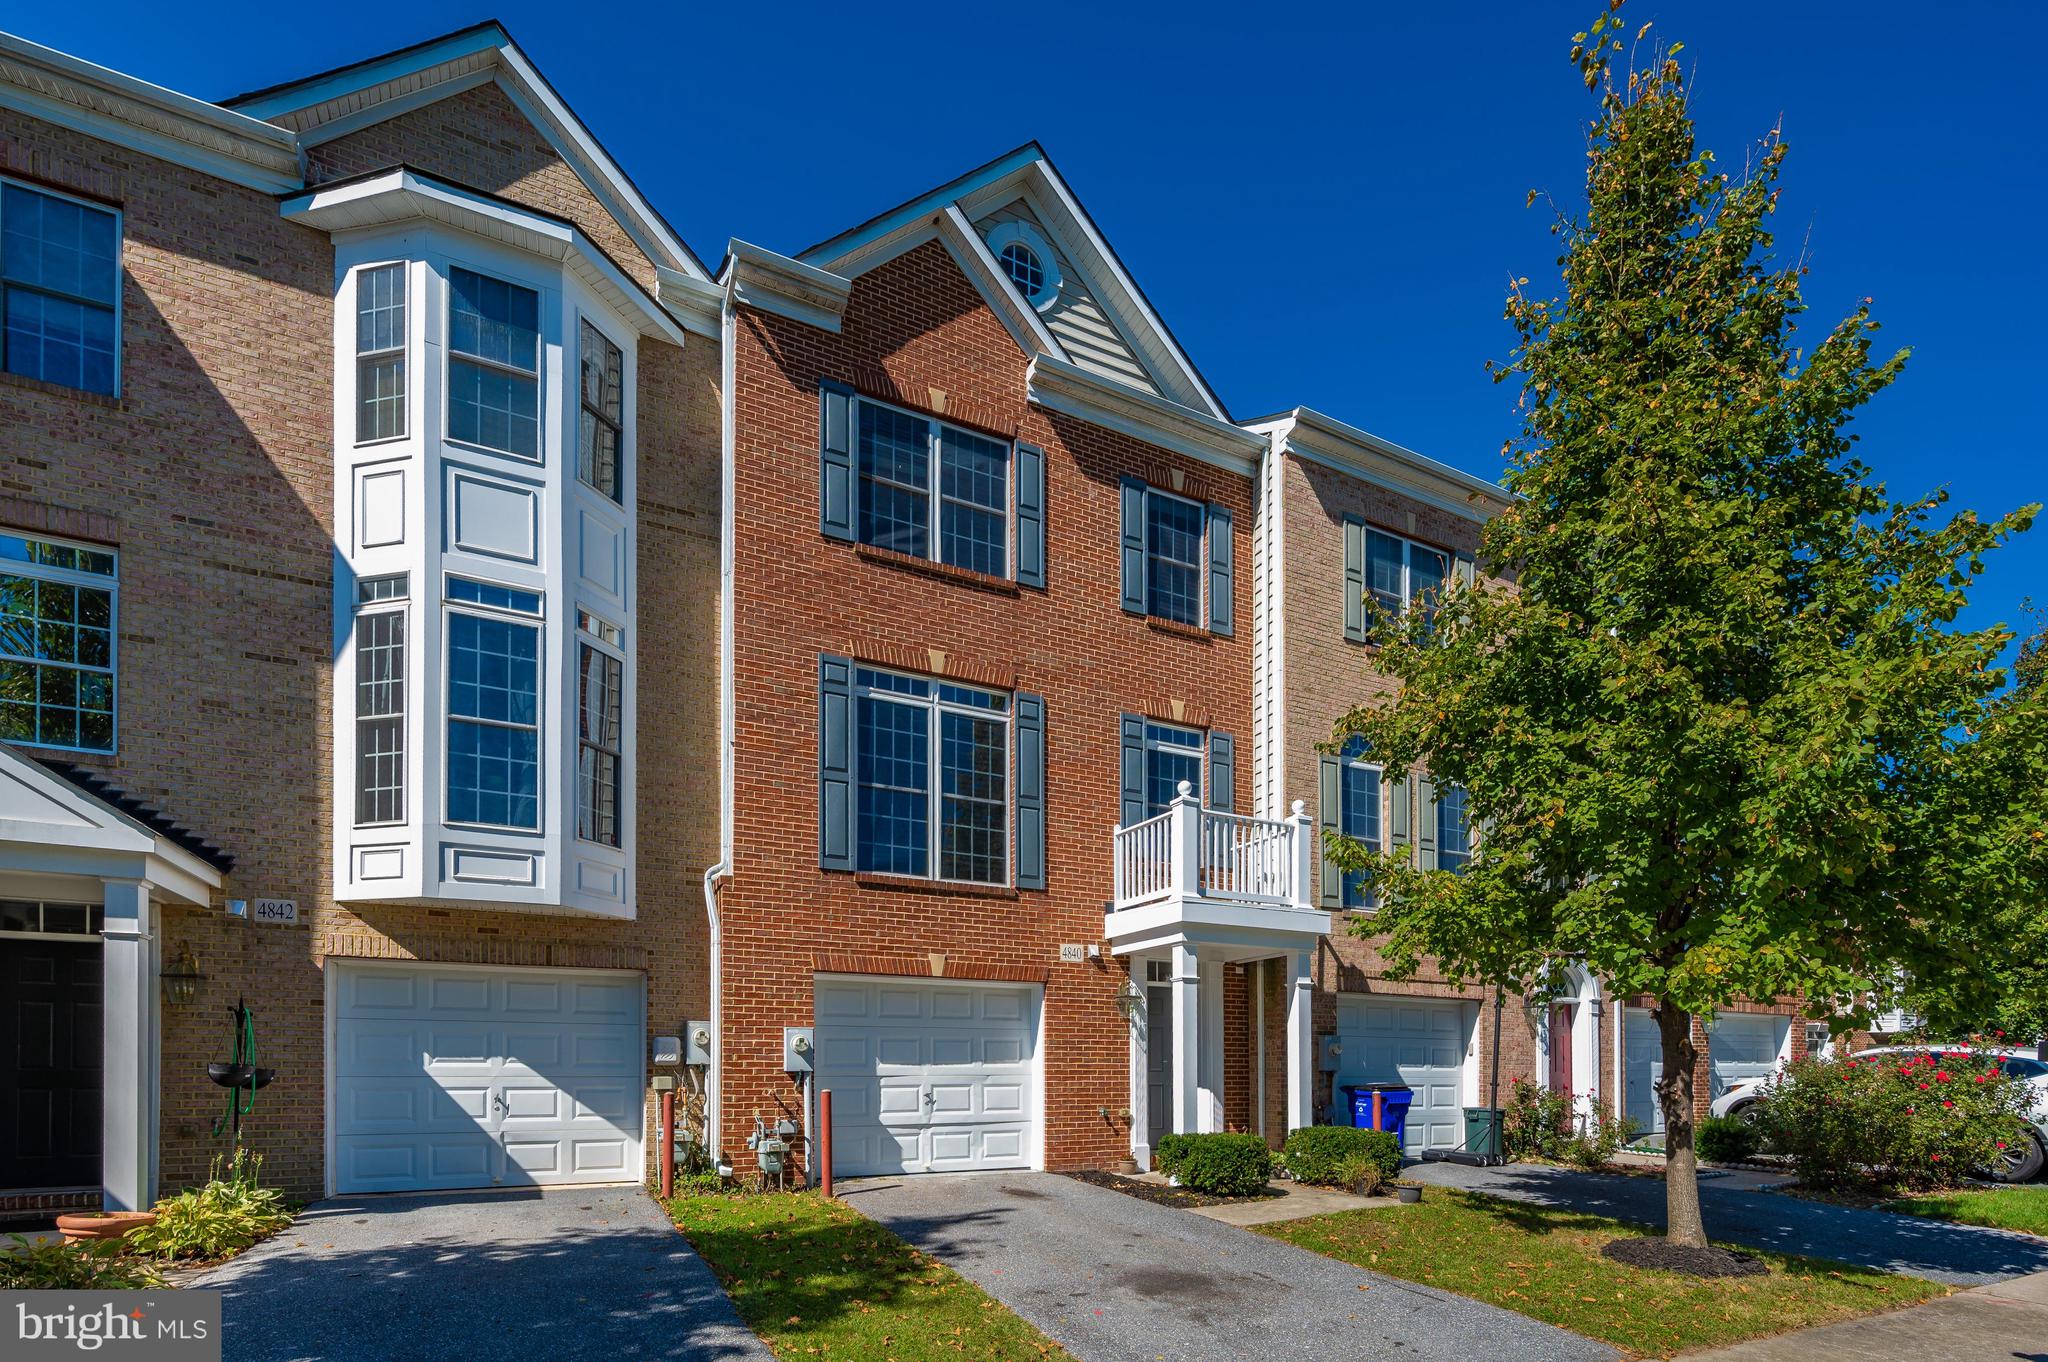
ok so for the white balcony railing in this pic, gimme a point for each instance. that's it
(1193, 852)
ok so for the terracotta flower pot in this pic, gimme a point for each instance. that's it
(85, 1227)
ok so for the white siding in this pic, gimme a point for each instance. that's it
(1079, 322)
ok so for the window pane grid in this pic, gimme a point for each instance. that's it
(493, 737)
(904, 817)
(380, 723)
(1359, 819)
(598, 431)
(895, 474)
(60, 275)
(380, 351)
(974, 492)
(600, 679)
(1171, 756)
(1173, 546)
(894, 778)
(1453, 830)
(56, 649)
(908, 465)
(494, 363)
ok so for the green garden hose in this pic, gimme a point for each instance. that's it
(244, 1093)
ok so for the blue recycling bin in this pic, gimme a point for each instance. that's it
(1395, 1099)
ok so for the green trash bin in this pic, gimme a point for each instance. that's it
(1482, 1131)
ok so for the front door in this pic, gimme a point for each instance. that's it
(1158, 1062)
(1561, 1017)
(49, 1063)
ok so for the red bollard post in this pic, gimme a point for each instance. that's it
(1378, 1119)
(668, 1144)
(825, 1140)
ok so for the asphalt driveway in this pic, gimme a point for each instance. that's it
(1739, 1212)
(565, 1275)
(1115, 1279)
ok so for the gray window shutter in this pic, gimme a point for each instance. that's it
(1221, 551)
(1398, 809)
(1030, 791)
(1133, 517)
(1464, 570)
(835, 459)
(1132, 765)
(1030, 515)
(1329, 795)
(1425, 818)
(1354, 581)
(835, 763)
(1222, 771)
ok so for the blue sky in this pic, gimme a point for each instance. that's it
(1325, 205)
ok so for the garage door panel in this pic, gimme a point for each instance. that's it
(1743, 1046)
(1420, 1042)
(532, 1080)
(926, 1077)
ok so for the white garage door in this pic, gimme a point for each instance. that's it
(928, 1077)
(1422, 1042)
(1742, 1045)
(449, 1077)
(1643, 1050)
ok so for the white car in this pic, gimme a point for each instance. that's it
(2023, 1163)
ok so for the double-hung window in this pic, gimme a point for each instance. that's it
(932, 778)
(600, 757)
(1453, 830)
(493, 704)
(600, 421)
(1403, 573)
(56, 644)
(60, 289)
(933, 490)
(493, 363)
(1173, 557)
(1172, 755)
(380, 699)
(1358, 817)
(380, 353)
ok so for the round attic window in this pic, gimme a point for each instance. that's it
(1027, 259)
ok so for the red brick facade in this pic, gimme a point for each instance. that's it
(917, 332)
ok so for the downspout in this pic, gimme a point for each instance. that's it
(714, 1083)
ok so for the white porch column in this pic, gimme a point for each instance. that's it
(128, 1019)
(1211, 1034)
(1301, 1040)
(1187, 1054)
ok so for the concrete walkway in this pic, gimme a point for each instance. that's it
(1741, 1212)
(564, 1275)
(1115, 1279)
(2003, 1323)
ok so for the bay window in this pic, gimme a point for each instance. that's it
(380, 700)
(602, 414)
(493, 705)
(380, 353)
(600, 686)
(493, 363)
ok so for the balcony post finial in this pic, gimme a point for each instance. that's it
(1302, 830)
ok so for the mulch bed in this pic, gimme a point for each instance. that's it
(1660, 1253)
(1161, 1194)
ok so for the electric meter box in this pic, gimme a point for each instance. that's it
(796, 1049)
(697, 1044)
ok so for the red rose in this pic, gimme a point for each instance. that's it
(1923, 1087)
(1947, 1103)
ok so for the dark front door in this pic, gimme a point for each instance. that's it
(49, 1063)
(1159, 1062)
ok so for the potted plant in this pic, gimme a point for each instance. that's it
(88, 1227)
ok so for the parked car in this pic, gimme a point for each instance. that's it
(2022, 1163)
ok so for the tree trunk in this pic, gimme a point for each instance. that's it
(1682, 1223)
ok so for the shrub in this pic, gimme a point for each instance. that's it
(1225, 1165)
(1360, 1173)
(1318, 1154)
(217, 1220)
(1726, 1139)
(57, 1266)
(1927, 1120)
(1168, 1152)
(1540, 1124)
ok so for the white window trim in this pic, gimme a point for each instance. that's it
(1200, 751)
(935, 796)
(444, 275)
(120, 283)
(538, 622)
(1471, 828)
(1385, 793)
(627, 378)
(398, 605)
(111, 584)
(403, 351)
(1409, 548)
(1200, 565)
(935, 497)
(594, 631)
(1024, 234)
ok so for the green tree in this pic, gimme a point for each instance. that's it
(1705, 733)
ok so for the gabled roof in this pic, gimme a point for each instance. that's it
(331, 104)
(1027, 173)
(146, 816)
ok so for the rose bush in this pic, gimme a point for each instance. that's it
(1908, 1120)
(1539, 1124)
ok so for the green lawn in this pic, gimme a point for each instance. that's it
(1545, 1263)
(2006, 1208)
(816, 1279)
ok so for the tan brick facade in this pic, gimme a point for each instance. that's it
(212, 475)
(915, 325)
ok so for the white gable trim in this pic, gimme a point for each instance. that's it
(402, 195)
(59, 88)
(1311, 435)
(760, 278)
(972, 255)
(1062, 386)
(51, 827)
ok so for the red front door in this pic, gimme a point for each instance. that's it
(1561, 1017)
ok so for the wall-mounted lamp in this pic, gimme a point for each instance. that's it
(181, 976)
(1130, 1000)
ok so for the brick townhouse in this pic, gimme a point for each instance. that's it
(532, 670)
